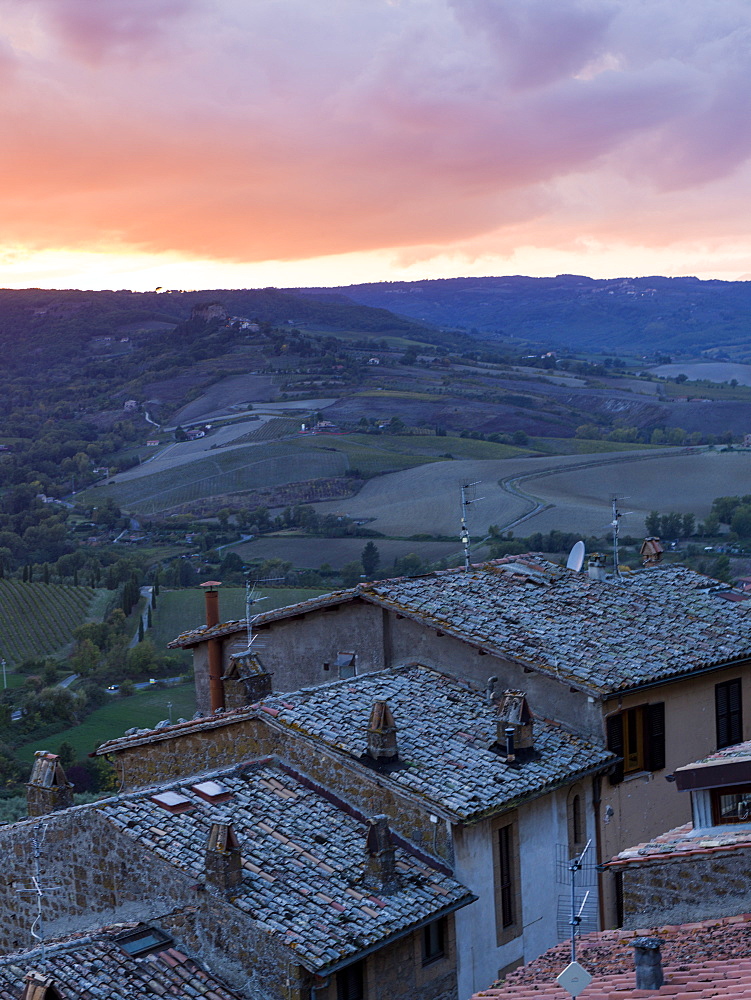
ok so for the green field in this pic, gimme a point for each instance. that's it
(37, 619)
(179, 611)
(143, 709)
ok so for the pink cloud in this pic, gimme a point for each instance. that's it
(283, 129)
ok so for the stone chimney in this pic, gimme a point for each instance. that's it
(514, 713)
(223, 860)
(382, 733)
(48, 790)
(651, 551)
(380, 873)
(39, 987)
(245, 680)
(648, 962)
(596, 567)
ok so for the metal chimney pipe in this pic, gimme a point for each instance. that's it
(216, 687)
(510, 753)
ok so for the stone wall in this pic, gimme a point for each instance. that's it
(237, 740)
(684, 890)
(95, 875)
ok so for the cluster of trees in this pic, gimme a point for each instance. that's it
(673, 525)
(734, 511)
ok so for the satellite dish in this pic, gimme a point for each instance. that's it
(575, 559)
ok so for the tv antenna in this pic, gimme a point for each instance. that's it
(35, 885)
(251, 598)
(468, 497)
(615, 525)
(575, 977)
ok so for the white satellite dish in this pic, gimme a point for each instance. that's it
(575, 559)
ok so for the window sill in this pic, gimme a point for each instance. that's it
(635, 775)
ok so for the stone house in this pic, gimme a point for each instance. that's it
(283, 889)
(652, 664)
(493, 795)
(120, 962)
(701, 870)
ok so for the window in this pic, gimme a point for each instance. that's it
(638, 736)
(143, 940)
(731, 805)
(728, 713)
(350, 982)
(577, 825)
(433, 941)
(507, 886)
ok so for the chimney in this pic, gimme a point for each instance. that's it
(381, 866)
(648, 962)
(212, 602)
(216, 687)
(514, 714)
(510, 754)
(651, 551)
(48, 790)
(39, 987)
(223, 860)
(596, 567)
(382, 733)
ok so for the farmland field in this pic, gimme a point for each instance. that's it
(179, 611)
(427, 498)
(37, 619)
(143, 709)
(310, 553)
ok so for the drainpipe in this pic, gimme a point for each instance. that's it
(216, 688)
(596, 802)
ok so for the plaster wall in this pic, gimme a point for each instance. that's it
(541, 824)
(295, 650)
(413, 641)
(644, 805)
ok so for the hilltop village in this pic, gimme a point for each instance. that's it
(415, 788)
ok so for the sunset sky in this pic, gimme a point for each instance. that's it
(244, 143)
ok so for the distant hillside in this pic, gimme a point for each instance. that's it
(621, 315)
(35, 321)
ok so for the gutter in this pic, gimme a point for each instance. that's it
(647, 685)
(329, 970)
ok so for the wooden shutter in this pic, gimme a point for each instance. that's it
(728, 714)
(614, 728)
(654, 731)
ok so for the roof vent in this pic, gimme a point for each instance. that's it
(223, 860)
(382, 733)
(48, 790)
(212, 602)
(648, 962)
(381, 866)
(39, 987)
(514, 714)
(596, 567)
(651, 551)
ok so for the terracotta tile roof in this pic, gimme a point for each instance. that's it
(444, 731)
(143, 736)
(604, 636)
(738, 751)
(304, 862)
(684, 841)
(704, 961)
(94, 966)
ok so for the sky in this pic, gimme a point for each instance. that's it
(247, 143)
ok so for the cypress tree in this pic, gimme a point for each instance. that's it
(149, 623)
(140, 628)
